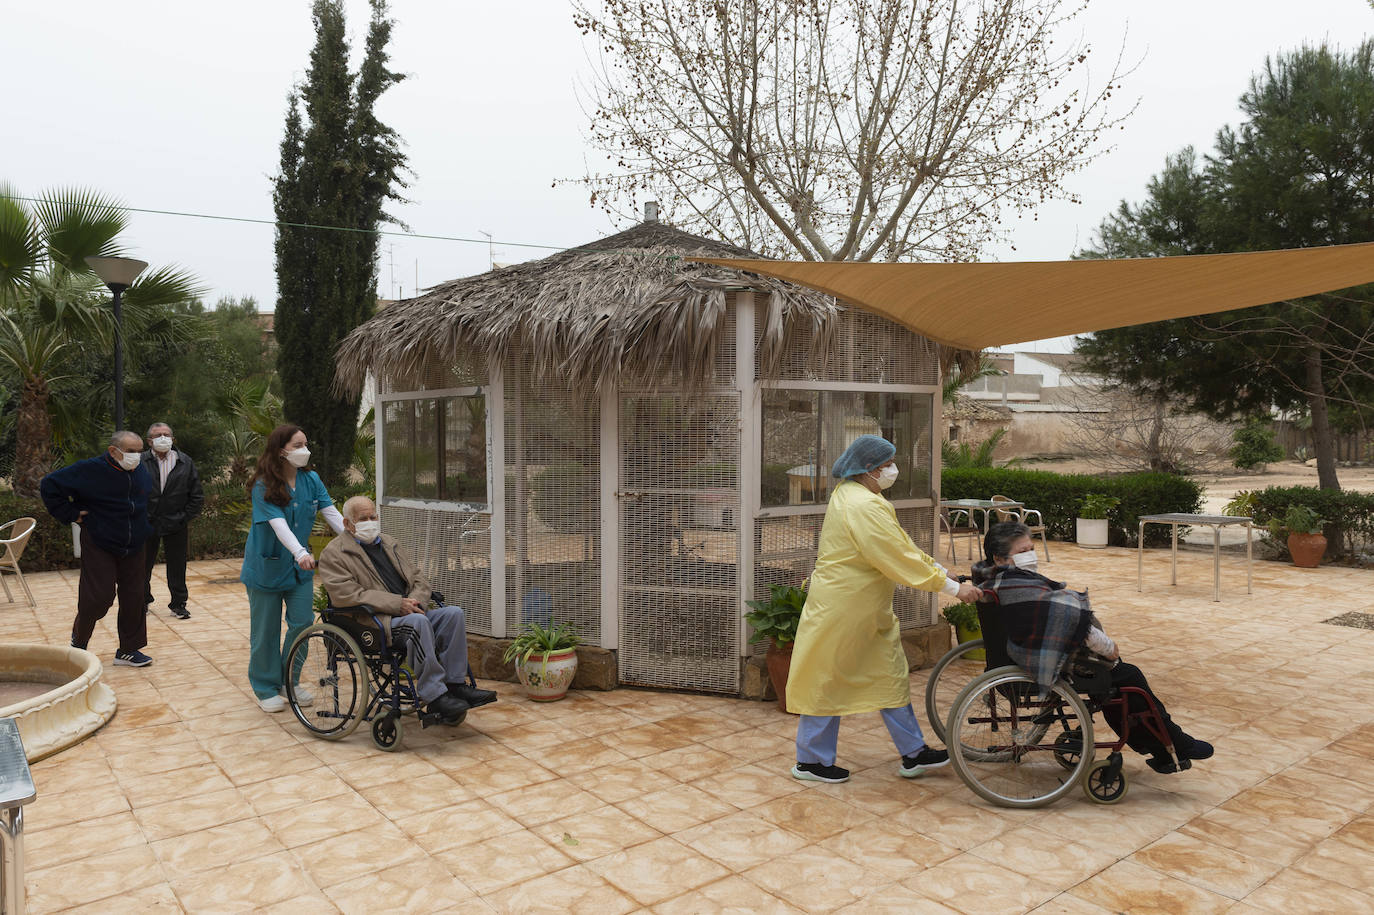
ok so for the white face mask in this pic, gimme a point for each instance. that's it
(367, 531)
(298, 458)
(129, 460)
(1026, 560)
(887, 476)
(162, 443)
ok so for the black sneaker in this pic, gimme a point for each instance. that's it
(471, 694)
(1162, 763)
(815, 772)
(133, 658)
(1198, 749)
(450, 709)
(181, 613)
(928, 758)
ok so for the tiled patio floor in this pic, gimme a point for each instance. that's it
(193, 799)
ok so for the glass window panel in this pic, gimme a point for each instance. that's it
(465, 449)
(398, 448)
(791, 430)
(427, 449)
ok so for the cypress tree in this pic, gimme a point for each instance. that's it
(339, 167)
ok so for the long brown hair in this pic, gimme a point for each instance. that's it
(269, 468)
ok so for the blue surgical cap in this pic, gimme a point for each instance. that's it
(862, 455)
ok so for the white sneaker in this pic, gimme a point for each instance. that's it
(272, 704)
(304, 696)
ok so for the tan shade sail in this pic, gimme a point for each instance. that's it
(975, 306)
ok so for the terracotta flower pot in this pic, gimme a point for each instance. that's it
(547, 676)
(779, 661)
(1307, 549)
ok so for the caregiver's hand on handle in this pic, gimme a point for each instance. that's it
(969, 594)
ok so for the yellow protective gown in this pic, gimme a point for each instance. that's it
(848, 655)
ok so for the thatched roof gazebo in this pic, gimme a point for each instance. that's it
(638, 441)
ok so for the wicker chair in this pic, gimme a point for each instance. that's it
(19, 531)
(1022, 515)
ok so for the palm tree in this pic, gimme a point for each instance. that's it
(52, 306)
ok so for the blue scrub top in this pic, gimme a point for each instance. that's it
(267, 566)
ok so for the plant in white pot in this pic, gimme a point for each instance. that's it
(1092, 519)
(545, 659)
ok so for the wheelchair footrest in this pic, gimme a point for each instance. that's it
(429, 718)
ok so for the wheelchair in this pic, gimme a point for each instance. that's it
(354, 672)
(1016, 748)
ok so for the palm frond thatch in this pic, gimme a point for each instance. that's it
(626, 307)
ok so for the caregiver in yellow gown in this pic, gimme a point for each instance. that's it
(848, 655)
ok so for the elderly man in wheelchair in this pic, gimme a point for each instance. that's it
(1051, 630)
(364, 568)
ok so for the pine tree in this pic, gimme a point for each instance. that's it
(339, 167)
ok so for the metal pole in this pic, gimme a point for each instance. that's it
(1249, 529)
(1173, 572)
(1140, 556)
(118, 361)
(1216, 562)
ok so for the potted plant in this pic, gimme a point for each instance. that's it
(776, 620)
(1306, 543)
(964, 619)
(1092, 519)
(545, 659)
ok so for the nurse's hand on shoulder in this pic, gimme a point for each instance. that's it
(969, 594)
(306, 562)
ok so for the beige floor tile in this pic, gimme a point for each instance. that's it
(1049, 858)
(648, 739)
(51, 847)
(741, 840)
(1295, 890)
(812, 879)
(497, 862)
(622, 781)
(1206, 865)
(1293, 814)
(895, 899)
(732, 896)
(318, 820)
(884, 847)
(311, 904)
(287, 791)
(155, 760)
(970, 884)
(493, 776)
(117, 743)
(341, 858)
(1359, 832)
(954, 821)
(387, 769)
(1341, 862)
(544, 802)
(572, 889)
(149, 790)
(595, 833)
(1252, 836)
(582, 755)
(657, 870)
(677, 808)
(152, 900)
(463, 824)
(216, 847)
(748, 786)
(416, 795)
(244, 886)
(53, 810)
(201, 811)
(91, 878)
(251, 769)
(1131, 887)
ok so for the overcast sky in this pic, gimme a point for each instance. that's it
(175, 105)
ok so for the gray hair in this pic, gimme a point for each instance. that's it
(350, 508)
(155, 425)
(123, 436)
(1001, 536)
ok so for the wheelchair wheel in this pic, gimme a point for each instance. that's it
(326, 661)
(996, 740)
(387, 732)
(1105, 782)
(947, 679)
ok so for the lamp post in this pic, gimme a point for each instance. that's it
(119, 274)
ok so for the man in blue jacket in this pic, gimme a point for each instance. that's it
(108, 497)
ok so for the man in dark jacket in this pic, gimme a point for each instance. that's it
(108, 496)
(176, 498)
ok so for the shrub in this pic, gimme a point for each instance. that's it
(1254, 445)
(1349, 515)
(1057, 497)
(1097, 507)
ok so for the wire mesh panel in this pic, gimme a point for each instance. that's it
(916, 608)
(467, 370)
(679, 504)
(453, 550)
(864, 347)
(552, 492)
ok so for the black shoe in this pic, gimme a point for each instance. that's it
(181, 613)
(1162, 763)
(928, 758)
(815, 772)
(75, 645)
(471, 694)
(1196, 749)
(131, 658)
(450, 709)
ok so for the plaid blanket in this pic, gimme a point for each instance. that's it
(1046, 623)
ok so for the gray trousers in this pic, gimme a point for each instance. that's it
(439, 653)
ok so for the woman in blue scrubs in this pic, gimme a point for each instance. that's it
(278, 570)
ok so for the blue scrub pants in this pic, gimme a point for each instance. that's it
(266, 643)
(817, 735)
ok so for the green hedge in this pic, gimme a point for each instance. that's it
(1349, 516)
(1057, 495)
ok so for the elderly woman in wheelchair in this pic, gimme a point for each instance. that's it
(1020, 733)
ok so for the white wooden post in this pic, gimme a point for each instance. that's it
(610, 516)
(496, 494)
(750, 452)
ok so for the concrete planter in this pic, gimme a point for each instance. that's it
(1092, 533)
